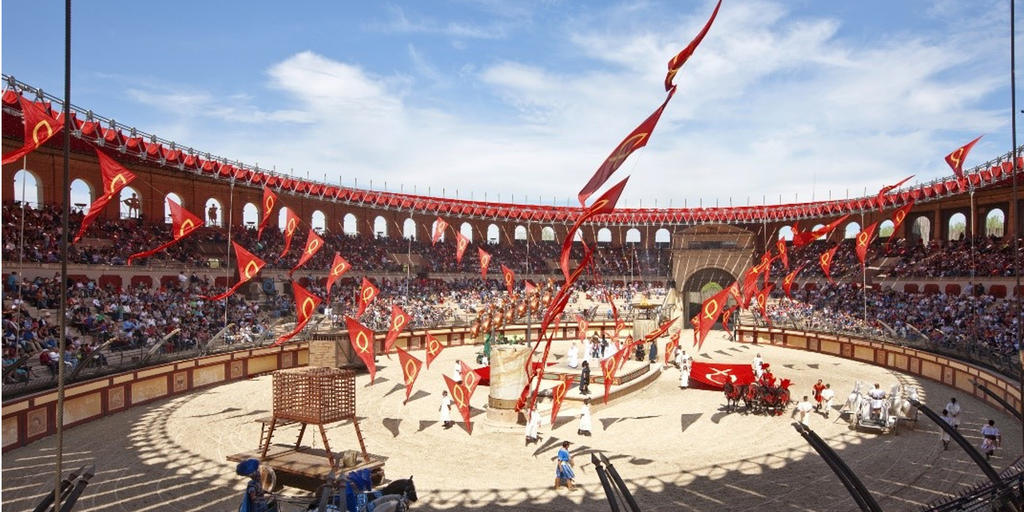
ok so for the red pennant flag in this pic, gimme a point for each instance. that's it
(460, 395)
(290, 225)
(313, 245)
(248, 266)
(766, 266)
(734, 292)
(611, 302)
(762, 300)
(807, 237)
(183, 224)
(485, 261)
(305, 306)
(609, 367)
(670, 347)
(362, 343)
(439, 226)
(581, 327)
(510, 280)
(115, 177)
(863, 240)
(461, 243)
(825, 260)
(470, 379)
(604, 204)
(410, 370)
(40, 126)
(434, 348)
(787, 282)
(399, 321)
(726, 315)
(780, 245)
(558, 395)
(710, 310)
(885, 190)
(367, 292)
(338, 268)
(954, 159)
(530, 288)
(637, 139)
(661, 330)
(684, 55)
(898, 217)
(269, 201)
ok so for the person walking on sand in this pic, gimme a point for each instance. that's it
(563, 468)
(585, 420)
(446, 410)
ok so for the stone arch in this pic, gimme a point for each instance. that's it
(493, 234)
(886, 229)
(318, 221)
(409, 229)
(433, 226)
(921, 229)
(27, 188)
(350, 224)
(282, 218)
(663, 236)
(173, 196)
(81, 195)
(817, 227)
(250, 216)
(633, 236)
(547, 234)
(703, 284)
(786, 233)
(604, 236)
(957, 226)
(130, 203)
(380, 227)
(851, 230)
(213, 212)
(467, 230)
(995, 223)
(520, 233)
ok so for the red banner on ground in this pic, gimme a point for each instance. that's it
(715, 375)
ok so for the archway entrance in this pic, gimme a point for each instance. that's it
(699, 286)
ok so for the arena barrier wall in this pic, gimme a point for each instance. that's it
(951, 372)
(33, 417)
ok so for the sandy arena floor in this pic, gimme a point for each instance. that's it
(675, 448)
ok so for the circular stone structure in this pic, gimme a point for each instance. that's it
(508, 376)
(677, 449)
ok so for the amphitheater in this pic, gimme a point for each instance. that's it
(164, 386)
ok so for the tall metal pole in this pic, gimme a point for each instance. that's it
(21, 250)
(227, 266)
(864, 273)
(1016, 203)
(65, 211)
(529, 311)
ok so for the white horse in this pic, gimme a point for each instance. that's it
(852, 401)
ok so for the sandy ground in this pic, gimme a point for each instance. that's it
(677, 449)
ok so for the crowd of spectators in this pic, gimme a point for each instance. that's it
(992, 257)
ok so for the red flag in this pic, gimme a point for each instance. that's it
(609, 367)
(183, 224)
(885, 190)
(39, 127)
(248, 266)
(269, 201)
(635, 140)
(557, 395)
(313, 245)
(670, 347)
(807, 237)
(725, 316)
(410, 370)
(399, 321)
(460, 395)
(439, 226)
(290, 225)
(734, 292)
(762, 300)
(766, 265)
(470, 379)
(863, 239)
(898, 217)
(954, 159)
(530, 288)
(620, 324)
(684, 55)
(367, 292)
(485, 261)
(461, 243)
(787, 282)
(581, 327)
(305, 305)
(780, 245)
(362, 343)
(604, 204)
(510, 280)
(338, 268)
(434, 348)
(825, 260)
(661, 330)
(115, 177)
(710, 310)
(611, 302)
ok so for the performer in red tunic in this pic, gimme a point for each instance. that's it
(818, 388)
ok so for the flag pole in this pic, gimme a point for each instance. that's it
(1013, 181)
(65, 211)
(227, 266)
(864, 270)
(21, 250)
(529, 315)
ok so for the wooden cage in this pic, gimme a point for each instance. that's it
(314, 395)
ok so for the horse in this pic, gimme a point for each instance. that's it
(753, 398)
(396, 497)
(733, 394)
(852, 402)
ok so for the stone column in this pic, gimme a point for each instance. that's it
(508, 377)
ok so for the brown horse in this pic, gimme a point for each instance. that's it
(733, 395)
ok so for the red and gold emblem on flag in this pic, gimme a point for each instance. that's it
(399, 321)
(780, 245)
(460, 396)
(863, 240)
(510, 280)
(558, 395)
(670, 347)
(762, 300)
(880, 200)
(581, 327)
(470, 379)
(787, 282)
(40, 126)
(115, 177)
(434, 348)
(362, 343)
(954, 159)
(825, 260)
(248, 266)
(684, 55)
(710, 310)
(305, 306)
(726, 315)
(898, 217)
(461, 244)
(269, 201)
(367, 292)
(291, 223)
(485, 261)
(603, 205)
(439, 226)
(183, 224)
(609, 367)
(410, 370)
(313, 245)
(338, 268)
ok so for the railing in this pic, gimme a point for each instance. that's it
(986, 497)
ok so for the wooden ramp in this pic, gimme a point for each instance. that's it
(306, 468)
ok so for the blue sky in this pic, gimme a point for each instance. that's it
(789, 98)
